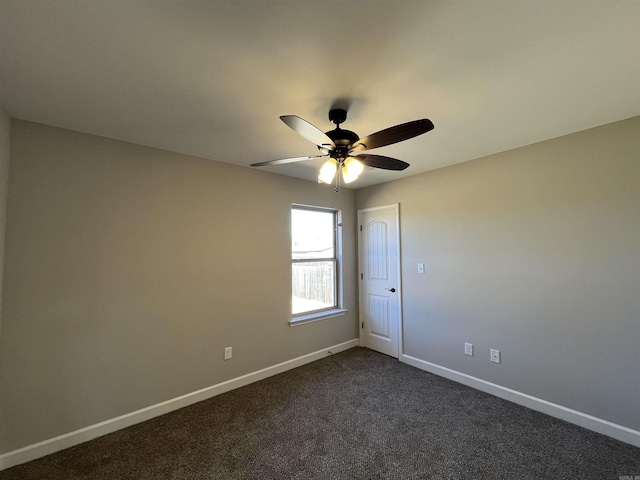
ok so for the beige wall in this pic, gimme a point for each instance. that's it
(5, 142)
(535, 252)
(129, 269)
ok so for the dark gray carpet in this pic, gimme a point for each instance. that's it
(355, 415)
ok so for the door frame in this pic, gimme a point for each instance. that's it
(396, 211)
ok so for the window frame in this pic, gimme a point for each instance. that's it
(336, 309)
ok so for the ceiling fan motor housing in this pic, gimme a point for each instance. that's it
(342, 138)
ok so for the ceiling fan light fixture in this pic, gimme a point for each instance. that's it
(351, 169)
(328, 171)
(339, 144)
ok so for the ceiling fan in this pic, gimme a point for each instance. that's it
(343, 147)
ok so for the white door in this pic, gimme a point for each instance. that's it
(380, 307)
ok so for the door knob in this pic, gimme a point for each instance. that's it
(392, 290)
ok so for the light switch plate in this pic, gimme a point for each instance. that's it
(421, 268)
(468, 349)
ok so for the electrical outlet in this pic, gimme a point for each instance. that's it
(227, 353)
(468, 349)
(495, 356)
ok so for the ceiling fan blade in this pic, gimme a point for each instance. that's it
(379, 161)
(395, 134)
(308, 131)
(286, 160)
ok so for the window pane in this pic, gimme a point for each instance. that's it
(312, 234)
(313, 286)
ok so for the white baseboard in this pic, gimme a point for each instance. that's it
(37, 450)
(589, 422)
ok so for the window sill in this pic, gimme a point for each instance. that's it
(314, 317)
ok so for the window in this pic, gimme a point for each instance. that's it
(314, 261)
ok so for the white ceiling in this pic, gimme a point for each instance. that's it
(211, 78)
